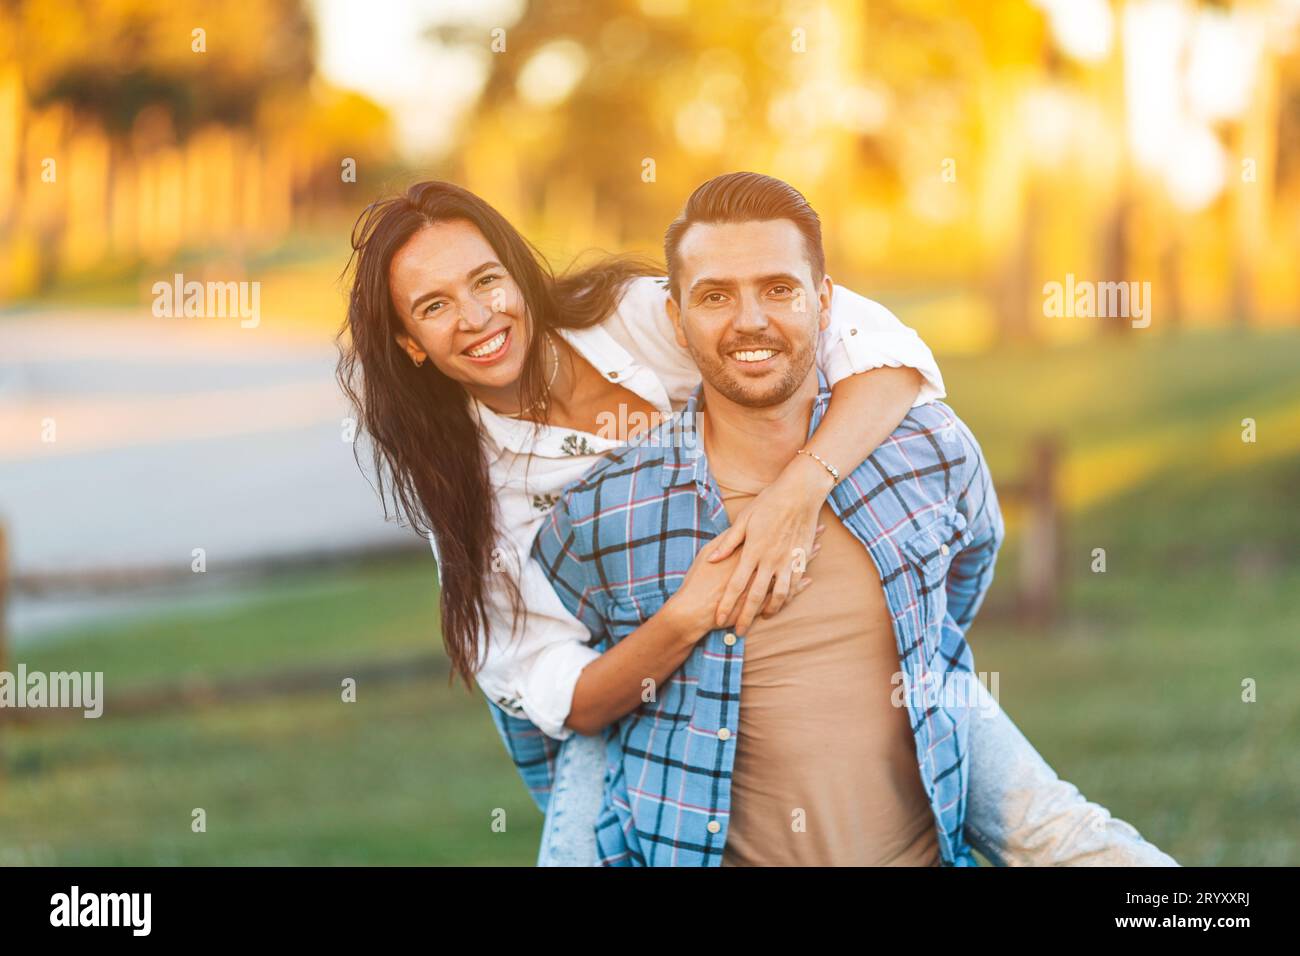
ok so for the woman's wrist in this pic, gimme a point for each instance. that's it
(811, 476)
(679, 623)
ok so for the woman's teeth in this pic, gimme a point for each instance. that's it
(757, 355)
(488, 347)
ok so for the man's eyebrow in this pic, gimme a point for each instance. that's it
(469, 277)
(786, 277)
(709, 280)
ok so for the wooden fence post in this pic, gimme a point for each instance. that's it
(1041, 551)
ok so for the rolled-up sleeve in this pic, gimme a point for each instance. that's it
(532, 672)
(863, 335)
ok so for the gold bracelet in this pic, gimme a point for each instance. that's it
(835, 472)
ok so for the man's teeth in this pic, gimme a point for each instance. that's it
(488, 347)
(755, 355)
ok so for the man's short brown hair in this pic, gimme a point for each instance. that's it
(745, 197)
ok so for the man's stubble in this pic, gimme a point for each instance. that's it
(713, 368)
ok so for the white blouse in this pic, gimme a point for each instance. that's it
(532, 673)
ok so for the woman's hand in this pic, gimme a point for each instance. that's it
(777, 530)
(694, 608)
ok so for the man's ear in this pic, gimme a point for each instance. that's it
(824, 295)
(410, 347)
(675, 314)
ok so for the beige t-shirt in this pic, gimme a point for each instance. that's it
(826, 766)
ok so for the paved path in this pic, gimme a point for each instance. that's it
(171, 435)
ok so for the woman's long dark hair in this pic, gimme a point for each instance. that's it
(428, 461)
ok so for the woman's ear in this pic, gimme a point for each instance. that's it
(411, 348)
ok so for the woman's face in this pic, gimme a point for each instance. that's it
(461, 310)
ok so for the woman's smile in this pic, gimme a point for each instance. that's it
(489, 349)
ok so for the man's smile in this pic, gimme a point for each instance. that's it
(753, 358)
(753, 355)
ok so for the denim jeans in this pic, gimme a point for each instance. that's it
(569, 833)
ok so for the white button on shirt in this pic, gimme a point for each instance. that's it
(532, 674)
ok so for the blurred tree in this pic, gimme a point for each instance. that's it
(112, 59)
(855, 103)
(179, 124)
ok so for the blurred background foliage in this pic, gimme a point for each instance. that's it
(969, 152)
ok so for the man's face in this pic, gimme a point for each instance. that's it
(749, 310)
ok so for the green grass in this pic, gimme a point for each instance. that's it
(1136, 698)
(409, 774)
(378, 613)
(1199, 385)
(412, 772)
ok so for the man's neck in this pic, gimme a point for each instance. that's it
(757, 441)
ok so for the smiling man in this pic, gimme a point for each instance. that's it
(790, 744)
(825, 769)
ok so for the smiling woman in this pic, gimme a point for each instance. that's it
(438, 274)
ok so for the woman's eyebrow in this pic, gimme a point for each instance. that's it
(433, 294)
(490, 264)
(469, 277)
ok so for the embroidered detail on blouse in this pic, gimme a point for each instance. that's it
(512, 705)
(576, 445)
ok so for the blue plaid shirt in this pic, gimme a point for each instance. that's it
(619, 543)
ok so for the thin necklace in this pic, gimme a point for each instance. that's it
(555, 359)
